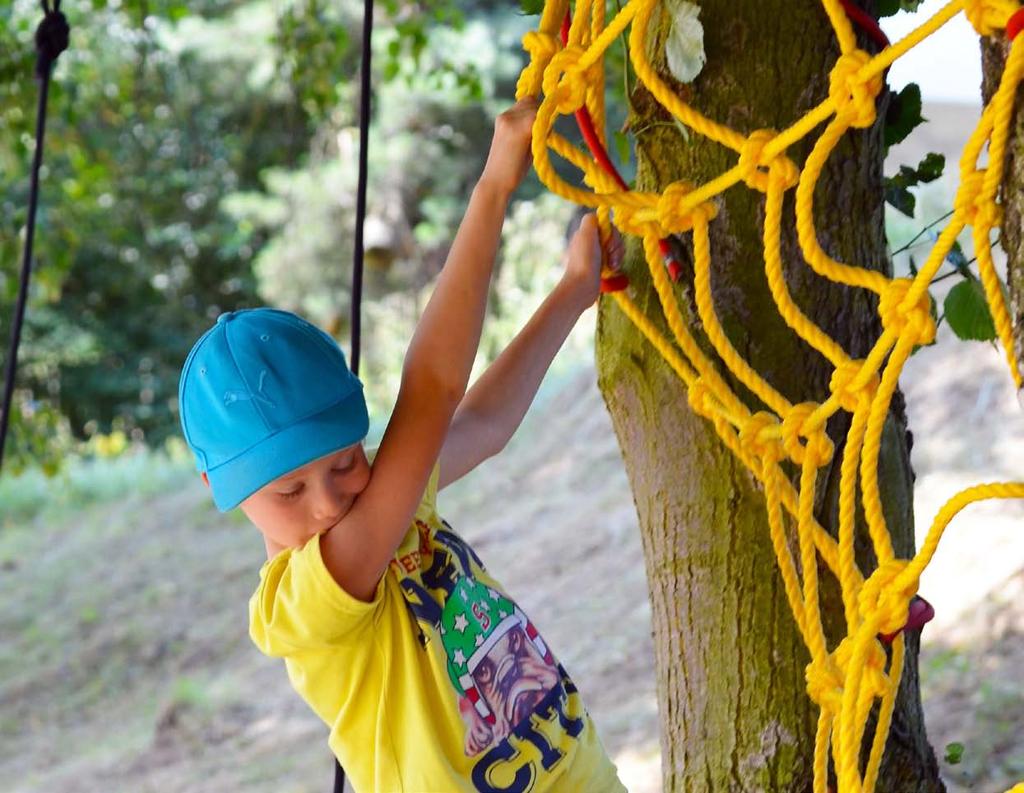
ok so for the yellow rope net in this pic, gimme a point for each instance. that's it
(845, 681)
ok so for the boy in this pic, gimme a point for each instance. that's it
(429, 676)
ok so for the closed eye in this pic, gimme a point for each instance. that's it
(293, 493)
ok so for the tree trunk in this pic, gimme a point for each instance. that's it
(994, 50)
(735, 715)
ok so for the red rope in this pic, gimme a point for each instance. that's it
(1014, 24)
(866, 22)
(584, 121)
(586, 124)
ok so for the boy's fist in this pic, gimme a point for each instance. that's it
(509, 157)
(585, 258)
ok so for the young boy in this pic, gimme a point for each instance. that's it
(428, 674)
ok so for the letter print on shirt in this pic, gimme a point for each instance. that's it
(520, 709)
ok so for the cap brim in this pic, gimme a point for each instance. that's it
(343, 424)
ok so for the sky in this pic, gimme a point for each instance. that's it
(947, 65)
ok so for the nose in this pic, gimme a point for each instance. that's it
(328, 500)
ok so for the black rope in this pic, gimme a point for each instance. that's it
(357, 252)
(364, 145)
(339, 777)
(51, 40)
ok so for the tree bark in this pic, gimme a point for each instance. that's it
(994, 50)
(735, 715)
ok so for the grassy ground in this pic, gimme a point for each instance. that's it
(126, 663)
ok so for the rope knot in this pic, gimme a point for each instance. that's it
(879, 596)
(565, 81)
(827, 679)
(52, 38)
(757, 174)
(852, 399)
(825, 684)
(873, 676)
(701, 398)
(819, 447)
(673, 214)
(978, 209)
(916, 319)
(764, 448)
(626, 220)
(852, 94)
(542, 48)
(988, 16)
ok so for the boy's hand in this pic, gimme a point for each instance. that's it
(509, 157)
(583, 261)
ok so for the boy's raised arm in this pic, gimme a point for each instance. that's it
(435, 374)
(494, 407)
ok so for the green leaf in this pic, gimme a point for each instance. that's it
(531, 7)
(897, 188)
(901, 198)
(954, 753)
(904, 114)
(887, 8)
(967, 312)
(930, 168)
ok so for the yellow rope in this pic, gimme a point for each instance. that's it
(846, 681)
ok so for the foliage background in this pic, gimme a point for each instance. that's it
(201, 158)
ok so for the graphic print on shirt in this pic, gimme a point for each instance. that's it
(518, 704)
(497, 662)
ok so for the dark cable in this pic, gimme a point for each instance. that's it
(51, 40)
(364, 144)
(339, 777)
(357, 253)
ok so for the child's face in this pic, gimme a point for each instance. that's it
(309, 500)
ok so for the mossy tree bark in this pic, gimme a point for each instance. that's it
(735, 715)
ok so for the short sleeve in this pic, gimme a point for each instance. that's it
(299, 606)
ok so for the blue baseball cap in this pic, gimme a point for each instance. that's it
(264, 392)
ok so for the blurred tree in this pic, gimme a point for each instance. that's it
(133, 256)
(429, 137)
(200, 157)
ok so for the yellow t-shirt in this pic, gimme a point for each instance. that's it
(440, 685)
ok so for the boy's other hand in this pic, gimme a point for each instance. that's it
(509, 157)
(584, 260)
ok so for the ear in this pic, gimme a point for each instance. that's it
(206, 479)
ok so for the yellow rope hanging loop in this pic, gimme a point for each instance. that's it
(848, 681)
